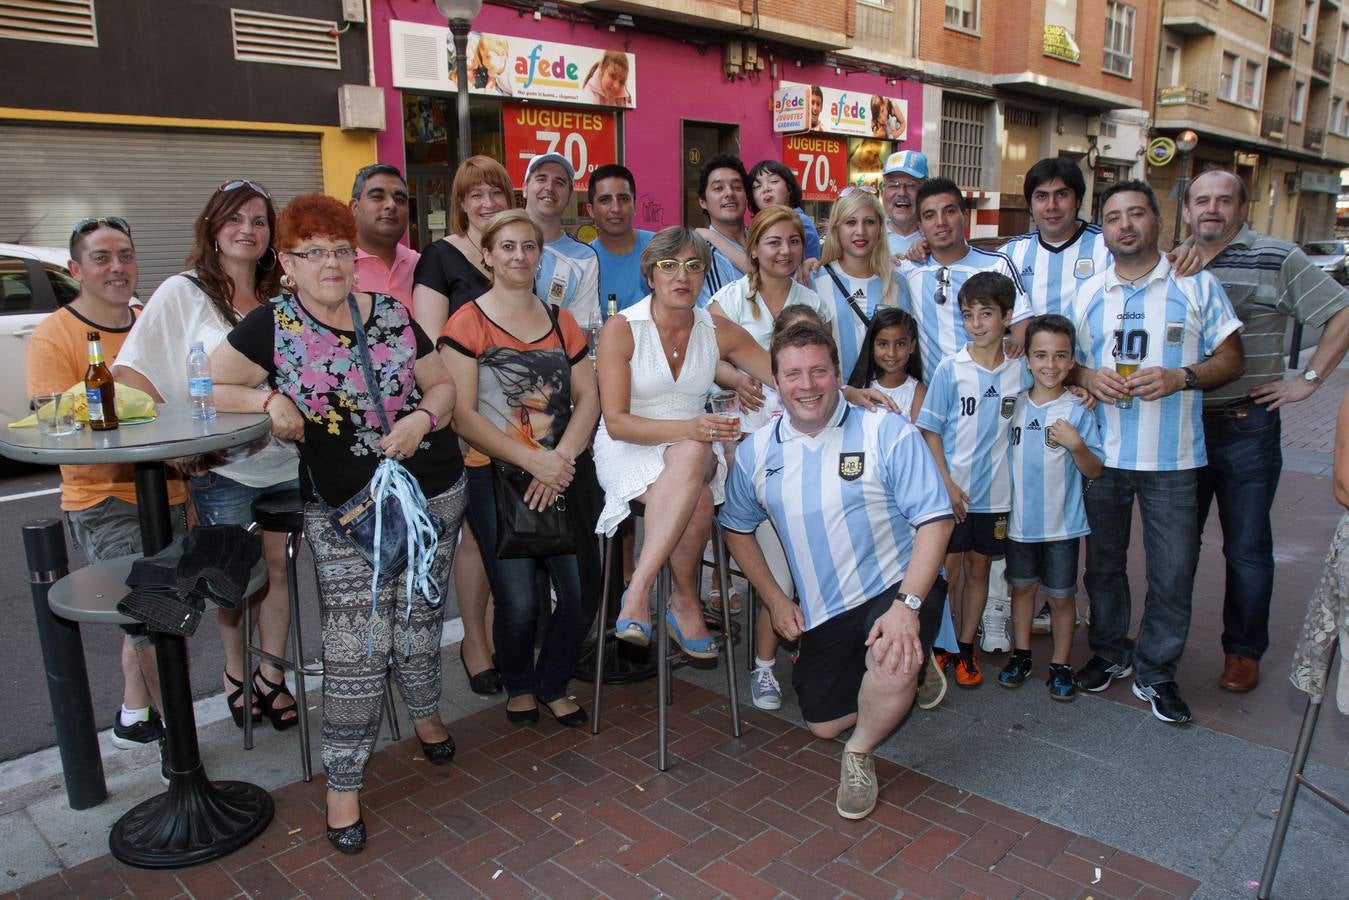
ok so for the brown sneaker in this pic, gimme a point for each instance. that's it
(1240, 674)
(932, 684)
(857, 787)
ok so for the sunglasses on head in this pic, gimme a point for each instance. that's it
(244, 182)
(943, 285)
(84, 226)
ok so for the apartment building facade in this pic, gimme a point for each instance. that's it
(1265, 86)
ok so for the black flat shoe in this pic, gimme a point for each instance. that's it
(349, 839)
(487, 682)
(574, 719)
(523, 716)
(440, 753)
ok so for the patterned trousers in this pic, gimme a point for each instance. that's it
(359, 643)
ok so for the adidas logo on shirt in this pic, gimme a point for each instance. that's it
(1034, 425)
(1028, 270)
(991, 392)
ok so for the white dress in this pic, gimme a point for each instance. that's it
(626, 470)
(902, 395)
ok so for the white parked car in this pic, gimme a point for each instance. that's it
(34, 282)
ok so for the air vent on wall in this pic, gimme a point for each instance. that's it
(284, 40)
(50, 21)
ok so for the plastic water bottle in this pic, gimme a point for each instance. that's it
(199, 386)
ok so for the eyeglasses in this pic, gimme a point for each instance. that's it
(84, 226)
(943, 285)
(244, 182)
(319, 254)
(693, 266)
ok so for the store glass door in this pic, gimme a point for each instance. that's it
(428, 200)
(702, 141)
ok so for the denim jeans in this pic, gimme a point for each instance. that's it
(1244, 462)
(1168, 506)
(516, 598)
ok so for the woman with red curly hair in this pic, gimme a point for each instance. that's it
(304, 347)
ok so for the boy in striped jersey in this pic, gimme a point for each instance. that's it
(1184, 335)
(964, 420)
(1053, 445)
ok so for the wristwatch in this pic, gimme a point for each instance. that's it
(1191, 379)
(912, 601)
(1310, 375)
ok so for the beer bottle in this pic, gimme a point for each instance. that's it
(613, 306)
(99, 389)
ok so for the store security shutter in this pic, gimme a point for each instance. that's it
(157, 179)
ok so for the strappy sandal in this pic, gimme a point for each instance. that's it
(714, 601)
(235, 700)
(267, 700)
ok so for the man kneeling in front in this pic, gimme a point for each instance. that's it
(864, 518)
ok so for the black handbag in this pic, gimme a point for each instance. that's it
(524, 533)
(356, 519)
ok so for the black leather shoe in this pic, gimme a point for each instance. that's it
(440, 753)
(523, 716)
(574, 719)
(487, 682)
(349, 839)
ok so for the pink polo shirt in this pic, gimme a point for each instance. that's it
(373, 276)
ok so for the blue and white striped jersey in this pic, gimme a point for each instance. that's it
(721, 273)
(1051, 276)
(559, 282)
(900, 243)
(847, 325)
(1047, 502)
(583, 301)
(971, 408)
(940, 329)
(845, 503)
(1167, 321)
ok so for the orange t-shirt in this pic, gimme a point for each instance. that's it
(524, 386)
(58, 355)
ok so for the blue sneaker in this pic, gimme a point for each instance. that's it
(1015, 672)
(764, 689)
(1060, 682)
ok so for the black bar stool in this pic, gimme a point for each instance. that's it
(664, 684)
(285, 512)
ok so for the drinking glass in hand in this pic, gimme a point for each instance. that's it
(727, 403)
(1126, 366)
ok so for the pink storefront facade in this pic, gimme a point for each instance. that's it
(683, 109)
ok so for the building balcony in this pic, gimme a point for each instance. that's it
(1281, 42)
(1272, 127)
(824, 25)
(1191, 16)
(1323, 62)
(1182, 95)
(1314, 139)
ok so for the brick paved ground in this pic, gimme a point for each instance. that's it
(1310, 425)
(551, 812)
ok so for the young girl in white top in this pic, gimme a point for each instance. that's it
(890, 362)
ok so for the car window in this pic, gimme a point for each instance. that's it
(64, 286)
(1324, 248)
(16, 289)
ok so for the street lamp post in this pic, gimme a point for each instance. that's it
(1186, 141)
(460, 14)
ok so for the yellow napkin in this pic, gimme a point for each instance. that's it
(131, 404)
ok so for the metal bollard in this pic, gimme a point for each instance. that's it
(44, 546)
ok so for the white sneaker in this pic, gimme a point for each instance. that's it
(996, 613)
(764, 689)
(1041, 623)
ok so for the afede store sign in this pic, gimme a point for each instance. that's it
(813, 107)
(512, 67)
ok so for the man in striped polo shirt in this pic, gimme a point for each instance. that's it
(1268, 281)
(1183, 337)
(864, 519)
(935, 283)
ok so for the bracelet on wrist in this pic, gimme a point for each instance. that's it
(435, 422)
(270, 397)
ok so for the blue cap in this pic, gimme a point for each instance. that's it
(571, 173)
(906, 162)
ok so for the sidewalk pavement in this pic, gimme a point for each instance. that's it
(995, 793)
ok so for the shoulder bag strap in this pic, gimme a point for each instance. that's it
(866, 320)
(363, 347)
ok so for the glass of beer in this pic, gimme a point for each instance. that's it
(727, 404)
(1126, 365)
